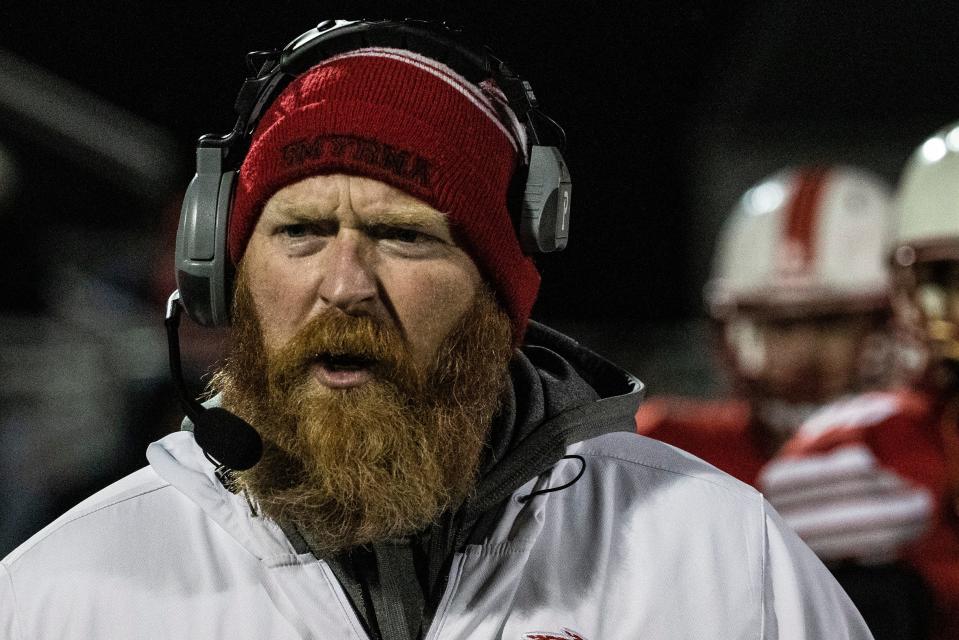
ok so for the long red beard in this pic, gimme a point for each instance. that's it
(366, 464)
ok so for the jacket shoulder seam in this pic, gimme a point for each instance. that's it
(744, 491)
(80, 516)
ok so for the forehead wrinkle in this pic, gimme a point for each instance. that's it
(299, 210)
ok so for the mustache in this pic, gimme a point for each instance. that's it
(335, 335)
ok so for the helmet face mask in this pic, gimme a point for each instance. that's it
(929, 307)
(926, 256)
(808, 360)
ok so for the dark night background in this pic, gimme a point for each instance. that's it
(671, 111)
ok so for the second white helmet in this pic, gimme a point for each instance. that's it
(927, 245)
(927, 201)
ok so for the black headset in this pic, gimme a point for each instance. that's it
(203, 269)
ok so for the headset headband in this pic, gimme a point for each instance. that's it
(278, 68)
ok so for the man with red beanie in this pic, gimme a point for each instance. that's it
(434, 463)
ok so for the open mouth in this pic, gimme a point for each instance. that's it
(344, 361)
(342, 370)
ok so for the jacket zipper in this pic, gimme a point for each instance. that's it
(344, 601)
(452, 582)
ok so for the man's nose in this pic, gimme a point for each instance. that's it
(347, 280)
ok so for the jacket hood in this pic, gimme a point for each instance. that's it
(560, 393)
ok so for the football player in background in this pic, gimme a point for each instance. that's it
(800, 299)
(911, 435)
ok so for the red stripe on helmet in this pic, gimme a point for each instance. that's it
(802, 219)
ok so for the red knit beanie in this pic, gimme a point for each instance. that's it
(416, 124)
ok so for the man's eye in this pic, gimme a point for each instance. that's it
(294, 230)
(304, 229)
(401, 234)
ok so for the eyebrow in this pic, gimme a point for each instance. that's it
(297, 211)
(406, 216)
(409, 215)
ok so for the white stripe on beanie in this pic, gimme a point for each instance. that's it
(479, 98)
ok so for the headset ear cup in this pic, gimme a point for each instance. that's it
(222, 284)
(202, 263)
(544, 223)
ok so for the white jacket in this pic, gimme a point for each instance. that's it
(649, 544)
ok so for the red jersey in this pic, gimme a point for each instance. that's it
(917, 437)
(721, 432)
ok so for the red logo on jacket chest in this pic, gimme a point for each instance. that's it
(564, 634)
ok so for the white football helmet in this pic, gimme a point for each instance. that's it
(800, 290)
(805, 241)
(927, 244)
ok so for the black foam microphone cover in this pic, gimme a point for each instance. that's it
(227, 438)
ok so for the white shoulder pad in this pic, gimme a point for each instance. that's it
(857, 412)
